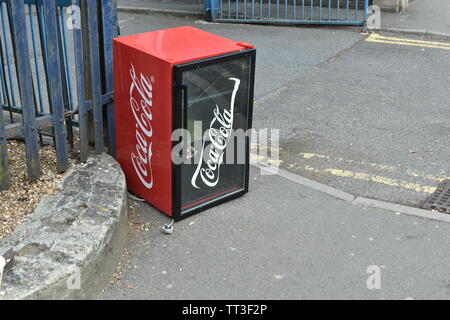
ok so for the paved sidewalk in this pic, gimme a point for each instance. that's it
(355, 115)
(429, 15)
(356, 105)
(286, 241)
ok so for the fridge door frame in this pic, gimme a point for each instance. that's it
(179, 109)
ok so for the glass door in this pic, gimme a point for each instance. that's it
(216, 113)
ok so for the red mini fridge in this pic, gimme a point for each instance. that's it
(189, 81)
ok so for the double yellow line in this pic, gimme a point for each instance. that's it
(368, 177)
(374, 37)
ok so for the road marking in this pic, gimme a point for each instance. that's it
(378, 36)
(374, 37)
(371, 178)
(370, 164)
(264, 159)
(256, 158)
(374, 165)
(427, 176)
(382, 180)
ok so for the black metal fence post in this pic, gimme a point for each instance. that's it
(54, 75)
(20, 38)
(109, 28)
(94, 55)
(4, 169)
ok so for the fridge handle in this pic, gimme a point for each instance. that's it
(184, 87)
(184, 103)
(184, 106)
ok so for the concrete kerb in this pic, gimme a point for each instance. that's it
(149, 10)
(416, 32)
(355, 200)
(71, 244)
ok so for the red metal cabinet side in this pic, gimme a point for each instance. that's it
(143, 100)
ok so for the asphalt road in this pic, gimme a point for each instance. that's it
(284, 52)
(372, 122)
(367, 118)
(284, 241)
(359, 116)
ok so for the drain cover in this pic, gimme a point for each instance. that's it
(440, 199)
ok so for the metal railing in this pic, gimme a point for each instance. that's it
(56, 78)
(332, 12)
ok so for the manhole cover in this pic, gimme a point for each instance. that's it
(440, 199)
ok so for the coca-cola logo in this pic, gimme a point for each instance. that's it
(141, 101)
(218, 135)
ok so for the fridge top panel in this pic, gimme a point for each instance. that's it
(182, 44)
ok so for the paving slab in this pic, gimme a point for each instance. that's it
(372, 122)
(287, 241)
(429, 15)
(284, 53)
(344, 102)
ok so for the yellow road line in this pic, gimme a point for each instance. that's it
(370, 164)
(374, 165)
(358, 175)
(382, 180)
(427, 176)
(378, 36)
(372, 178)
(408, 42)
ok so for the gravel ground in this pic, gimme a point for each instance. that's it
(136, 229)
(18, 202)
